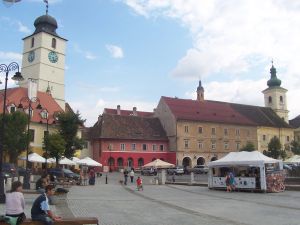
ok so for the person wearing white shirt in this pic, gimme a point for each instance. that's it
(15, 203)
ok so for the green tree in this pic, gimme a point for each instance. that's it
(249, 147)
(69, 123)
(15, 136)
(55, 145)
(295, 147)
(275, 149)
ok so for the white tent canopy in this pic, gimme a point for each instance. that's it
(34, 157)
(89, 162)
(293, 159)
(254, 158)
(159, 164)
(51, 160)
(66, 161)
(75, 159)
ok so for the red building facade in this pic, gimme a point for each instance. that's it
(129, 141)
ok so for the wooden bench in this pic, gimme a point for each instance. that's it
(64, 221)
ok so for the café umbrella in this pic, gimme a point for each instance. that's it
(158, 163)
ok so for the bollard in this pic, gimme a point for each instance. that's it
(106, 179)
(192, 177)
(8, 183)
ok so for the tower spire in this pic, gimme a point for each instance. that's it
(47, 6)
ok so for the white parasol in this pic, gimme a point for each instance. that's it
(89, 162)
(66, 161)
(158, 163)
(34, 157)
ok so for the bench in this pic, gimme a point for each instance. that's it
(64, 221)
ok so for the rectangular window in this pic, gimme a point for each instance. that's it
(287, 138)
(32, 42)
(154, 147)
(110, 147)
(122, 146)
(31, 135)
(264, 137)
(186, 144)
(213, 145)
(237, 132)
(238, 146)
(213, 131)
(12, 109)
(200, 145)
(161, 148)
(200, 130)
(186, 129)
(144, 146)
(225, 131)
(133, 146)
(226, 145)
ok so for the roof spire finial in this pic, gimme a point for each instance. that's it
(272, 61)
(47, 6)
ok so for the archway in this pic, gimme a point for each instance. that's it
(140, 162)
(120, 162)
(130, 163)
(200, 161)
(186, 162)
(111, 163)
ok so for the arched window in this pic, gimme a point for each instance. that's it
(270, 99)
(53, 43)
(281, 99)
(32, 42)
(140, 162)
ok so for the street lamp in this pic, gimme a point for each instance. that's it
(17, 77)
(29, 101)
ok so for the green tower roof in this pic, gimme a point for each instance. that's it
(273, 81)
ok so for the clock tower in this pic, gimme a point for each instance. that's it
(275, 96)
(44, 59)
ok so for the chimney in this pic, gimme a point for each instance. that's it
(118, 110)
(134, 112)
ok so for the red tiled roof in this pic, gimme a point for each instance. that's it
(223, 112)
(128, 112)
(14, 96)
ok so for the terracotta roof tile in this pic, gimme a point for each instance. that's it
(128, 112)
(223, 112)
(128, 127)
(14, 96)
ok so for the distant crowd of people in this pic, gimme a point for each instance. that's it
(139, 181)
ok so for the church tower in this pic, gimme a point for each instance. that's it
(200, 92)
(44, 59)
(275, 96)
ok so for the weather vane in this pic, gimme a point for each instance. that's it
(47, 6)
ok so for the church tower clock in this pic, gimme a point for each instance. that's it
(44, 59)
(275, 96)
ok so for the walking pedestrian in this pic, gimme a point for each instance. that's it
(125, 176)
(227, 182)
(131, 175)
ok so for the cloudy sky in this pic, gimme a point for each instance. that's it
(132, 52)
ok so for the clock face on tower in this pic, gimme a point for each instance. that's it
(31, 56)
(52, 56)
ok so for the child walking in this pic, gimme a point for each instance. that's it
(139, 183)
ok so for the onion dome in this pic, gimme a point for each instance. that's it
(46, 24)
(274, 81)
(200, 88)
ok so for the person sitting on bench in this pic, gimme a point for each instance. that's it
(40, 210)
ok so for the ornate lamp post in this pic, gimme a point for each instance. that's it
(17, 77)
(28, 101)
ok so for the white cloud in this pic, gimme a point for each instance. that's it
(87, 54)
(90, 111)
(10, 56)
(234, 37)
(23, 28)
(115, 51)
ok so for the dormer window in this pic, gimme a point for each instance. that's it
(270, 99)
(44, 114)
(53, 43)
(11, 108)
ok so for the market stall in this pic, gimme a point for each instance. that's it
(252, 171)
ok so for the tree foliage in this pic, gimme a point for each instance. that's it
(55, 145)
(295, 147)
(275, 149)
(249, 147)
(15, 135)
(69, 124)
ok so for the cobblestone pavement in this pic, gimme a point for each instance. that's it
(115, 204)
